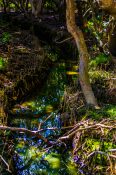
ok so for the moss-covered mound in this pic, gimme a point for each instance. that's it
(94, 147)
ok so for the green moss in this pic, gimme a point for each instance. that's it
(53, 56)
(53, 160)
(97, 144)
(3, 63)
(99, 76)
(1, 93)
(107, 111)
(92, 144)
(99, 60)
(72, 168)
(5, 38)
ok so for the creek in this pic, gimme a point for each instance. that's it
(42, 111)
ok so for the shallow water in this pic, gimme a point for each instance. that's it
(33, 155)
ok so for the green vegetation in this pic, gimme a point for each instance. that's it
(101, 59)
(106, 112)
(3, 63)
(5, 38)
(47, 126)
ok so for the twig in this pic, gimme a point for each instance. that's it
(101, 152)
(105, 126)
(74, 128)
(5, 163)
(111, 78)
(41, 123)
(112, 150)
(88, 10)
(55, 128)
(60, 42)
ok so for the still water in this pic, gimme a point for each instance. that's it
(33, 156)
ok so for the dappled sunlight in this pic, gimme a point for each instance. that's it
(48, 99)
(111, 111)
(22, 49)
(49, 109)
(45, 108)
(57, 87)
(3, 63)
(50, 162)
(71, 73)
(53, 160)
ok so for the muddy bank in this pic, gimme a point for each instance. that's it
(25, 67)
(48, 30)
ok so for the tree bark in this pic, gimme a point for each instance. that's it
(36, 7)
(108, 5)
(4, 5)
(83, 53)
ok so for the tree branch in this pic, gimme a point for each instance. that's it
(34, 133)
(103, 153)
(5, 163)
(86, 128)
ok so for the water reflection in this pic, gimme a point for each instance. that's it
(41, 112)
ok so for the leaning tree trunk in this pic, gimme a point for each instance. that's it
(83, 53)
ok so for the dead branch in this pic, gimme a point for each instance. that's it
(34, 133)
(41, 123)
(94, 126)
(4, 161)
(75, 127)
(103, 153)
(65, 40)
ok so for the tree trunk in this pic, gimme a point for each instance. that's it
(4, 5)
(36, 7)
(26, 5)
(83, 53)
(108, 5)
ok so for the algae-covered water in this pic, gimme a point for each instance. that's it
(41, 111)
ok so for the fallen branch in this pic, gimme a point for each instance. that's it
(34, 133)
(94, 126)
